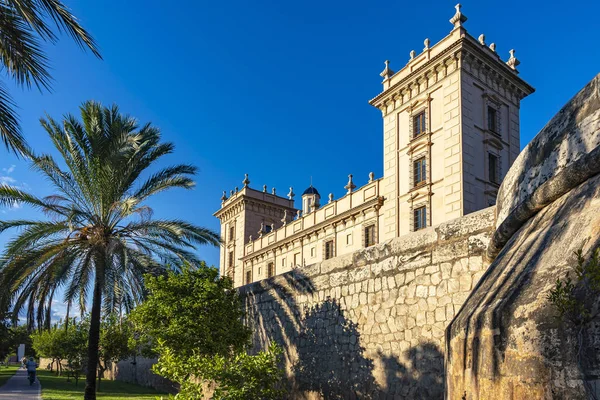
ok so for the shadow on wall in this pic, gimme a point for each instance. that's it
(324, 353)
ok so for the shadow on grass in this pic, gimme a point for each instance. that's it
(58, 388)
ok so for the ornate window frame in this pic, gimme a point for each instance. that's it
(414, 157)
(490, 102)
(365, 226)
(414, 207)
(414, 113)
(498, 176)
(333, 248)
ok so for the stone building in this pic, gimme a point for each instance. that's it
(451, 132)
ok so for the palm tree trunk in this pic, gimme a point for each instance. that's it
(94, 334)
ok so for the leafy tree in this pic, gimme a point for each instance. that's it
(193, 310)
(23, 23)
(115, 341)
(100, 234)
(238, 376)
(61, 344)
(196, 319)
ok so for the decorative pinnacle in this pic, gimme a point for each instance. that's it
(246, 181)
(230, 193)
(459, 18)
(350, 186)
(493, 47)
(512, 61)
(482, 39)
(261, 230)
(412, 54)
(387, 71)
(273, 191)
(291, 193)
(285, 217)
(330, 198)
(264, 188)
(371, 176)
(224, 197)
(426, 43)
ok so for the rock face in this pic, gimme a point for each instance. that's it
(564, 154)
(370, 325)
(506, 341)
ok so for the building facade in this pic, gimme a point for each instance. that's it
(451, 131)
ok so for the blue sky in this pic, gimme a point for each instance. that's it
(279, 90)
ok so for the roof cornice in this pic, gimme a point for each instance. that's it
(466, 45)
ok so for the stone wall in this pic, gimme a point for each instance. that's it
(139, 372)
(371, 324)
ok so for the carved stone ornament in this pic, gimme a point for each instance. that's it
(371, 176)
(459, 18)
(513, 61)
(246, 181)
(350, 186)
(330, 198)
(264, 188)
(387, 71)
(493, 47)
(426, 43)
(224, 197)
(291, 194)
(273, 192)
(412, 54)
(481, 39)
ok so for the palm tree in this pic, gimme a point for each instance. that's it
(24, 24)
(99, 234)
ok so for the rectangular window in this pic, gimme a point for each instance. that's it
(369, 235)
(297, 259)
(493, 168)
(312, 252)
(420, 218)
(349, 239)
(268, 228)
(231, 232)
(420, 171)
(492, 119)
(283, 262)
(419, 124)
(329, 249)
(248, 277)
(230, 259)
(270, 269)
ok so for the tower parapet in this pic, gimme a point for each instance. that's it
(248, 212)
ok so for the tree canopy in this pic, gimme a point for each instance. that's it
(24, 25)
(99, 235)
(195, 310)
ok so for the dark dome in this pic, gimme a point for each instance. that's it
(311, 190)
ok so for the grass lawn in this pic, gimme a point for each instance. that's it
(57, 388)
(6, 373)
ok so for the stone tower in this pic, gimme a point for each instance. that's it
(247, 214)
(451, 130)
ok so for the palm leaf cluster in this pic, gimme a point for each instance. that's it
(99, 230)
(24, 26)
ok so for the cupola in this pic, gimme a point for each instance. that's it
(310, 200)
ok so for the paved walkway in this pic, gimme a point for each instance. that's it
(18, 387)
